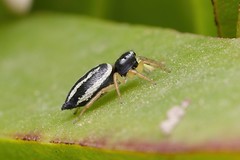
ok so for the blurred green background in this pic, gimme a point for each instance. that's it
(194, 16)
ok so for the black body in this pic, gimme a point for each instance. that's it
(123, 64)
(72, 103)
(126, 62)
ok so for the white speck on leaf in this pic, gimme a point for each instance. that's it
(174, 116)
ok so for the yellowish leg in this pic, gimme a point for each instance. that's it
(115, 78)
(140, 66)
(89, 104)
(134, 72)
(116, 83)
(152, 63)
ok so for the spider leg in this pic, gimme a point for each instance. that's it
(89, 104)
(116, 77)
(151, 64)
(134, 72)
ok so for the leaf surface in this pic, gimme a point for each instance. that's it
(43, 55)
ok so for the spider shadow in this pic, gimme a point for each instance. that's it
(110, 96)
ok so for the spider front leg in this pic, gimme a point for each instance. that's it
(135, 72)
(150, 64)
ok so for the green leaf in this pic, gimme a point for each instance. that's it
(226, 17)
(43, 55)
